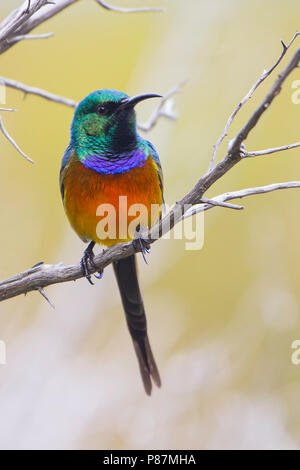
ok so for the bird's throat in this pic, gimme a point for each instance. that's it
(118, 163)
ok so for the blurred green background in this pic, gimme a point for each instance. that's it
(222, 319)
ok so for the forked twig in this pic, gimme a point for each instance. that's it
(129, 10)
(247, 97)
(11, 140)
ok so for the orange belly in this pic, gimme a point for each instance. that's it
(107, 208)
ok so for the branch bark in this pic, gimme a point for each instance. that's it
(31, 14)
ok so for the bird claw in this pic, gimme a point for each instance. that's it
(88, 257)
(141, 243)
(84, 266)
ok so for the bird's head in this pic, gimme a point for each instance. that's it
(105, 122)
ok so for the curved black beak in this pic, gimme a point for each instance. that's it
(131, 102)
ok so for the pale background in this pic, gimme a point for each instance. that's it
(222, 319)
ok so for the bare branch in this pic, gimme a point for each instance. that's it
(264, 75)
(31, 36)
(164, 109)
(219, 200)
(268, 151)
(31, 14)
(232, 158)
(235, 144)
(11, 140)
(24, 19)
(18, 17)
(129, 10)
(11, 110)
(38, 92)
(215, 202)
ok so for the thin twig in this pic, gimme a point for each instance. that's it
(232, 158)
(264, 75)
(28, 6)
(129, 10)
(31, 36)
(38, 92)
(164, 109)
(215, 202)
(258, 153)
(11, 110)
(11, 140)
(219, 200)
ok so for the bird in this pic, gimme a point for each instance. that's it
(105, 161)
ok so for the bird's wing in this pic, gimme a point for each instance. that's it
(155, 157)
(68, 155)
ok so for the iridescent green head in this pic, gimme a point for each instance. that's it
(105, 123)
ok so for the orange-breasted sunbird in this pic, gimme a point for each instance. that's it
(109, 174)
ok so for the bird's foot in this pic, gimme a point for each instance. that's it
(88, 257)
(143, 245)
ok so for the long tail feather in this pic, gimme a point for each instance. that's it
(126, 274)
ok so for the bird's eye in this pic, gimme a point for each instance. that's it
(101, 109)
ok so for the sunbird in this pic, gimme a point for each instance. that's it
(106, 160)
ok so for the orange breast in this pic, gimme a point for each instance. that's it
(107, 208)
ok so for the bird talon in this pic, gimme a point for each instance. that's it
(142, 244)
(88, 257)
(84, 268)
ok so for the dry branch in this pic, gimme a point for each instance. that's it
(30, 90)
(31, 14)
(265, 74)
(258, 153)
(164, 109)
(12, 141)
(129, 10)
(11, 110)
(220, 200)
(18, 18)
(22, 37)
